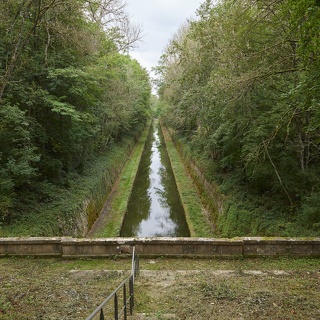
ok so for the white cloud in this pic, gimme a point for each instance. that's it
(160, 20)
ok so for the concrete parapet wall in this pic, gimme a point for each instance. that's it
(177, 247)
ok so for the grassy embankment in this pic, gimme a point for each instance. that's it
(270, 288)
(111, 223)
(199, 224)
(236, 210)
(70, 210)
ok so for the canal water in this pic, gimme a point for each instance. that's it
(155, 209)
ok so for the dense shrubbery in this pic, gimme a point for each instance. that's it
(241, 86)
(67, 93)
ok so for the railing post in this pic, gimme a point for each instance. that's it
(131, 278)
(116, 316)
(124, 302)
(137, 266)
(131, 295)
(133, 263)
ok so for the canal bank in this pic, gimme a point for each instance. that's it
(200, 224)
(155, 208)
(111, 218)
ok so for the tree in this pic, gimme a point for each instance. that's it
(18, 156)
(240, 85)
(67, 89)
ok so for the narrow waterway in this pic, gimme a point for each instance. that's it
(155, 209)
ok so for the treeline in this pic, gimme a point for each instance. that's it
(240, 86)
(68, 91)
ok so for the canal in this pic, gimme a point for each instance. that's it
(155, 209)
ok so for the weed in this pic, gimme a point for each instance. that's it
(60, 213)
(110, 225)
(217, 291)
(198, 224)
(5, 306)
(56, 290)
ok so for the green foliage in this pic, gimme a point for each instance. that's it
(60, 210)
(305, 19)
(310, 214)
(241, 86)
(198, 223)
(18, 156)
(67, 94)
(220, 292)
(112, 224)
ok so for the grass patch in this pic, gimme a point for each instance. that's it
(198, 224)
(112, 222)
(68, 210)
(189, 288)
(238, 208)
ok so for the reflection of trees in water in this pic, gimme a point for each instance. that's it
(154, 208)
(170, 193)
(139, 203)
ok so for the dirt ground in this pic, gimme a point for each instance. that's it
(281, 288)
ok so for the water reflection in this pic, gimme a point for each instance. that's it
(154, 209)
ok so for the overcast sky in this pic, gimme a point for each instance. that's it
(160, 20)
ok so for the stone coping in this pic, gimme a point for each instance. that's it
(67, 247)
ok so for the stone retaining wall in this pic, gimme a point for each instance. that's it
(176, 247)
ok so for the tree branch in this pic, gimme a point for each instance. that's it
(277, 174)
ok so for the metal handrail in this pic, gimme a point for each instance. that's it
(114, 294)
